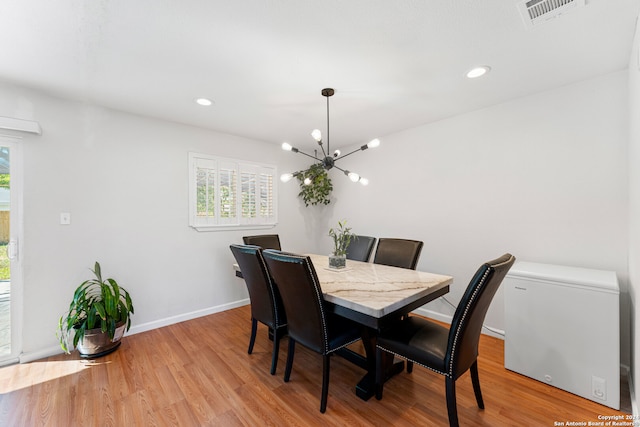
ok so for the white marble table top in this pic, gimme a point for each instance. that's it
(374, 289)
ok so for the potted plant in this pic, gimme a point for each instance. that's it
(315, 185)
(98, 316)
(341, 236)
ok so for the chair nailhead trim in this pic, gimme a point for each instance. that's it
(344, 345)
(316, 287)
(411, 360)
(276, 315)
(464, 316)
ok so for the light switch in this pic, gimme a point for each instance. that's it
(65, 218)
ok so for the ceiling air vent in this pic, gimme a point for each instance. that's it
(536, 12)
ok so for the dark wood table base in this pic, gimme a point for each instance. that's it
(366, 387)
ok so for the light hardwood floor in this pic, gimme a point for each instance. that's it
(198, 373)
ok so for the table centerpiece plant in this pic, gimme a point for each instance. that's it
(341, 236)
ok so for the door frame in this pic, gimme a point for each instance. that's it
(16, 234)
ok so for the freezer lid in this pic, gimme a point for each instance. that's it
(561, 274)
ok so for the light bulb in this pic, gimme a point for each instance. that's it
(307, 181)
(478, 72)
(364, 181)
(373, 143)
(286, 146)
(204, 102)
(316, 134)
(286, 177)
(336, 153)
(353, 176)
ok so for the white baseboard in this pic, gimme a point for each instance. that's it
(433, 315)
(487, 330)
(39, 354)
(136, 329)
(185, 316)
(8, 362)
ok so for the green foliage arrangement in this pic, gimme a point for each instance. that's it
(341, 236)
(5, 180)
(5, 263)
(96, 303)
(320, 187)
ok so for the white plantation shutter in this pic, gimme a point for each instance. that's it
(205, 175)
(266, 197)
(227, 193)
(249, 194)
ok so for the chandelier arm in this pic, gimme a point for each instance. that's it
(340, 169)
(322, 146)
(348, 154)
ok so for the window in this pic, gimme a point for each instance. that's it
(228, 193)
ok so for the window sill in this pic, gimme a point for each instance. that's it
(201, 228)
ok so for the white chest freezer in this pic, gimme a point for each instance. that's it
(562, 327)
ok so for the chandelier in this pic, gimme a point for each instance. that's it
(328, 161)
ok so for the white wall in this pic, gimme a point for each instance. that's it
(634, 208)
(543, 177)
(124, 180)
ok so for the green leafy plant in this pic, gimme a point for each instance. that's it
(341, 236)
(319, 187)
(5, 180)
(96, 303)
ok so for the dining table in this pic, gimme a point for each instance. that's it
(374, 296)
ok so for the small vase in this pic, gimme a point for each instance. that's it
(337, 261)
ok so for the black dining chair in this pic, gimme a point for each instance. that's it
(448, 351)
(265, 241)
(266, 304)
(401, 253)
(309, 322)
(360, 248)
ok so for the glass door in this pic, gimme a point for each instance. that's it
(10, 295)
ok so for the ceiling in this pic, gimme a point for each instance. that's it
(393, 65)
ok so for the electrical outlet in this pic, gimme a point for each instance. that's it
(599, 387)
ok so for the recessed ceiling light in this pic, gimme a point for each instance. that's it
(204, 101)
(478, 71)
